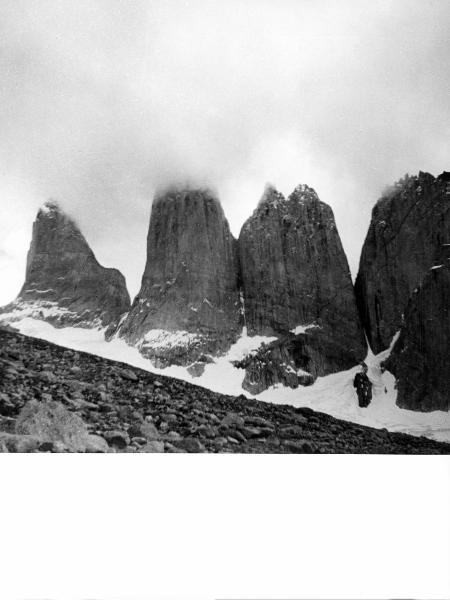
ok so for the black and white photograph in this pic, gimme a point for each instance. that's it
(225, 227)
(224, 299)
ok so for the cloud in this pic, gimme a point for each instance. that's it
(103, 101)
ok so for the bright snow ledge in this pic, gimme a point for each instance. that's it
(161, 338)
(303, 328)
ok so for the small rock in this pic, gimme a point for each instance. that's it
(291, 431)
(80, 404)
(253, 432)
(7, 408)
(192, 445)
(169, 418)
(168, 447)
(235, 434)
(128, 374)
(97, 444)
(19, 443)
(300, 418)
(7, 424)
(233, 419)
(173, 436)
(117, 439)
(196, 369)
(138, 441)
(52, 447)
(153, 446)
(299, 446)
(232, 440)
(208, 431)
(146, 430)
(48, 376)
(259, 422)
(220, 442)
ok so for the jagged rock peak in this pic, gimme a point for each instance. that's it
(301, 194)
(50, 207)
(304, 193)
(188, 304)
(270, 197)
(410, 224)
(64, 283)
(295, 275)
(291, 261)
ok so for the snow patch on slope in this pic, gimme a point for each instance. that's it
(333, 394)
(42, 309)
(161, 338)
(302, 328)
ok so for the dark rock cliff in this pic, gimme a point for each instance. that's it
(409, 225)
(64, 282)
(295, 273)
(420, 359)
(188, 304)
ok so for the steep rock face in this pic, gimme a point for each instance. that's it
(409, 225)
(64, 283)
(294, 269)
(294, 275)
(188, 304)
(420, 358)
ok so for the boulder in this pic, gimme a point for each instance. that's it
(363, 386)
(50, 421)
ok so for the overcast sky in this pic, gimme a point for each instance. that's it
(102, 101)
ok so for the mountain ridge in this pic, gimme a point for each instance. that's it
(283, 290)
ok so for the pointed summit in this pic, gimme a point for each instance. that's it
(271, 196)
(64, 283)
(303, 193)
(50, 207)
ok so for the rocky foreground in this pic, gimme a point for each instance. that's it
(54, 399)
